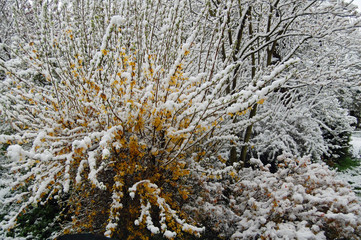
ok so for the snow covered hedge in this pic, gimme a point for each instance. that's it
(302, 200)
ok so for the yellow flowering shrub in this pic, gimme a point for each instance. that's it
(111, 115)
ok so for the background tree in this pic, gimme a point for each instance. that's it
(312, 118)
(290, 29)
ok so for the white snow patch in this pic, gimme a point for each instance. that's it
(356, 144)
(168, 234)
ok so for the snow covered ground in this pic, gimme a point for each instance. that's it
(356, 143)
(353, 175)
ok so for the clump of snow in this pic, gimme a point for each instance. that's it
(132, 195)
(170, 235)
(15, 153)
(93, 171)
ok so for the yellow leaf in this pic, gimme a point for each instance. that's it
(105, 52)
(261, 101)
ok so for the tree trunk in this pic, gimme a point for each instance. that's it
(247, 137)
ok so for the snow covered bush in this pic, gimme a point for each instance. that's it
(302, 200)
(105, 120)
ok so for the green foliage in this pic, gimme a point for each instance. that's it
(38, 222)
(337, 140)
(345, 163)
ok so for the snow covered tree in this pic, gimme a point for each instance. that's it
(262, 34)
(296, 114)
(349, 99)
